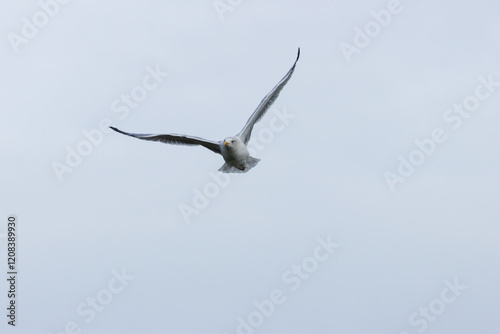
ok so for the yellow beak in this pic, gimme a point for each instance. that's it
(226, 143)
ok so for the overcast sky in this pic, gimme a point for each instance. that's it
(374, 208)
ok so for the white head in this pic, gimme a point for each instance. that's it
(232, 142)
(233, 150)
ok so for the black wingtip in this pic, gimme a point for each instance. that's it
(115, 129)
(298, 55)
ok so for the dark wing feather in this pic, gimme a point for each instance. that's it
(175, 139)
(264, 105)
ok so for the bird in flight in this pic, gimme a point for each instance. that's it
(233, 149)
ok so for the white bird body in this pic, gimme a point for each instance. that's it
(236, 156)
(233, 149)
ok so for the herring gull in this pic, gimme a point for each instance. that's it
(233, 149)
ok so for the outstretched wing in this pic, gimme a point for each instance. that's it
(175, 139)
(264, 105)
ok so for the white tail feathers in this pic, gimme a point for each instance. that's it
(250, 163)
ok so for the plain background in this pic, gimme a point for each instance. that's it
(323, 174)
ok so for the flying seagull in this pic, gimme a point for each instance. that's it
(233, 149)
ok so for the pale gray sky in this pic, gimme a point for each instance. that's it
(141, 237)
